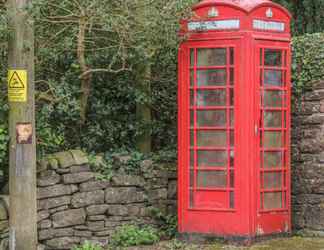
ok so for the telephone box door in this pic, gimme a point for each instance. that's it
(212, 193)
(273, 140)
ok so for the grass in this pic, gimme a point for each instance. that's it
(294, 243)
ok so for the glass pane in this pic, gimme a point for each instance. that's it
(232, 118)
(273, 77)
(211, 77)
(211, 97)
(192, 57)
(232, 138)
(272, 180)
(273, 160)
(273, 98)
(231, 56)
(192, 118)
(272, 119)
(273, 139)
(211, 57)
(232, 76)
(192, 138)
(232, 156)
(192, 204)
(212, 179)
(192, 158)
(232, 204)
(211, 118)
(212, 158)
(211, 138)
(232, 179)
(231, 97)
(192, 78)
(192, 178)
(272, 201)
(272, 57)
(192, 99)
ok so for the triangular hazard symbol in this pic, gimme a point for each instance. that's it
(15, 82)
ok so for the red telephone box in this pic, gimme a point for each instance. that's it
(234, 119)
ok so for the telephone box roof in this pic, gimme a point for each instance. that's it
(246, 5)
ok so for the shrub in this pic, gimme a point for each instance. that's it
(130, 235)
(88, 246)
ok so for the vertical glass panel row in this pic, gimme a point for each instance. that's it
(212, 127)
(273, 128)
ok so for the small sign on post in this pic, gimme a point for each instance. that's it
(24, 133)
(17, 85)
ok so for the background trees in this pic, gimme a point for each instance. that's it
(106, 71)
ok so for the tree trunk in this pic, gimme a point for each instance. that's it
(86, 79)
(22, 177)
(143, 108)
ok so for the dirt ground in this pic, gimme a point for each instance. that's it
(294, 243)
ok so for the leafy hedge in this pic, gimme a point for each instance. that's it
(308, 60)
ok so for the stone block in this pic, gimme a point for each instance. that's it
(124, 195)
(48, 178)
(94, 185)
(158, 194)
(63, 242)
(58, 209)
(53, 163)
(55, 191)
(42, 215)
(104, 233)
(80, 169)
(78, 177)
(42, 165)
(86, 234)
(4, 225)
(97, 209)
(44, 224)
(54, 202)
(79, 157)
(88, 198)
(68, 218)
(117, 210)
(95, 226)
(127, 180)
(172, 189)
(3, 211)
(96, 218)
(65, 159)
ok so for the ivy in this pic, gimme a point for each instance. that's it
(308, 61)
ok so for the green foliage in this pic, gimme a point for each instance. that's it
(3, 145)
(308, 61)
(168, 223)
(88, 246)
(307, 16)
(130, 235)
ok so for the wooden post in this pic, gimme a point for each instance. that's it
(22, 173)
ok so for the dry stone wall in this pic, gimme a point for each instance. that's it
(308, 161)
(74, 205)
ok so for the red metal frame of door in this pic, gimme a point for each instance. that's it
(272, 88)
(204, 206)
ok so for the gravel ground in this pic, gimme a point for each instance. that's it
(294, 243)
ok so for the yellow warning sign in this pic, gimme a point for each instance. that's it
(17, 85)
